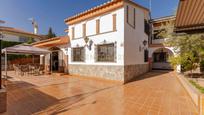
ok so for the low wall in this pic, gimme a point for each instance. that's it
(195, 95)
(120, 73)
(133, 71)
(101, 71)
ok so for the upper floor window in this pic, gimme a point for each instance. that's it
(131, 16)
(158, 34)
(78, 54)
(106, 53)
(23, 39)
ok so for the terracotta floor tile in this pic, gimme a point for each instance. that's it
(154, 93)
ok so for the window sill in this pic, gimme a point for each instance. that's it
(78, 61)
(105, 62)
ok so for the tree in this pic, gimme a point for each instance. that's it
(50, 34)
(189, 47)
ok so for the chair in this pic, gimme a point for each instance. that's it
(39, 69)
(16, 69)
(24, 70)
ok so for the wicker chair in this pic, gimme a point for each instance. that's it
(24, 70)
(16, 69)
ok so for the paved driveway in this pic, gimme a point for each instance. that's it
(156, 93)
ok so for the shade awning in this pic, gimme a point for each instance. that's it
(25, 49)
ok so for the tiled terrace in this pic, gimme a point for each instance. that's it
(156, 93)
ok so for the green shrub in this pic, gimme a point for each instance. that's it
(200, 88)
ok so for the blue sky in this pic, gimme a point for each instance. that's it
(51, 13)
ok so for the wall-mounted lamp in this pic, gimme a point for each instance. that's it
(144, 45)
(88, 43)
(145, 42)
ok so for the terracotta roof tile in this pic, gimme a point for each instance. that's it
(18, 31)
(101, 7)
(61, 40)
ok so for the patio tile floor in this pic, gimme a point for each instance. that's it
(155, 93)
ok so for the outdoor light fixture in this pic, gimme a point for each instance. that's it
(88, 42)
(144, 45)
(145, 42)
(86, 39)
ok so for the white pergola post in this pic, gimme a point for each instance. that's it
(5, 64)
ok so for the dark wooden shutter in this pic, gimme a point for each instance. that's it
(114, 22)
(146, 55)
(97, 26)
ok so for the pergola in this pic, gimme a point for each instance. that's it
(23, 49)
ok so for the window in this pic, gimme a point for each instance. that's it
(146, 55)
(160, 57)
(106, 53)
(78, 54)
(23, 39)
(157, 34)
(131, 12)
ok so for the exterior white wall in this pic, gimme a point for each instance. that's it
(134, 37)
(109, 36)
(14, 38)
(10, 38)
(106, 23)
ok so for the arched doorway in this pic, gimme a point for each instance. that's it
(54, 59)
(160, 59)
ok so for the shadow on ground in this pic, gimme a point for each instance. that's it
(153, 73)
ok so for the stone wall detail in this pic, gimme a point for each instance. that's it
(109, 72)
(133, 71)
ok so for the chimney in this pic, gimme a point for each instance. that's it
(35, 25)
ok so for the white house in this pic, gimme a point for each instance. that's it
(18, 35)
(109, 41)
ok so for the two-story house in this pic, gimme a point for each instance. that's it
(18, 35)
(109, 41)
